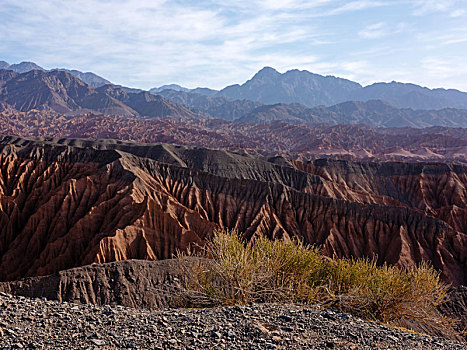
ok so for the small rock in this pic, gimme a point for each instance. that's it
(216, 335)
(276, 339)
(98, 342)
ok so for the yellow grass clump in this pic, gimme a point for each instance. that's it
(229, 271)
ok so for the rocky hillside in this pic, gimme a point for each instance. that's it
(61, 205)
(156, 284)
(293, 141)
(130, 283)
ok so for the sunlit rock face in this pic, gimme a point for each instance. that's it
(71, 202)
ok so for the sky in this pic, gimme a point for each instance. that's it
(144, 43)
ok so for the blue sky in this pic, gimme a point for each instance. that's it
(142, 43)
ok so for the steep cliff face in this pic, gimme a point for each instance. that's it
(71, 202)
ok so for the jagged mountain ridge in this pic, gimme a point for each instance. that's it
(62, 92)
(4, 65)
(171, 196)
(268, 86)
(88, 77)
(174, 87)
(23, 67)
(147, 104)
(58, 90)
(412, 96)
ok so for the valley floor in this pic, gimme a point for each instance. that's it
(42, 324)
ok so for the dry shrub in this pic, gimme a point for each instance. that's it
(230, 271)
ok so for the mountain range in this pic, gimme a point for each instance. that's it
(268, 86)
(87, 77)
(63, 92)
(375, 113)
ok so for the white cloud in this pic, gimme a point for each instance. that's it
(437, 70)
(145, 43)
(424, 7)
(439, 67)
(379, 30)
(358, 5)
(162, 40)
(458, 13)
(373, 31)
(289, 4)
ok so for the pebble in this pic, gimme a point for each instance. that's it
(48, 324)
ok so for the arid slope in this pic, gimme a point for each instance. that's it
(71, 202)
(303, 141)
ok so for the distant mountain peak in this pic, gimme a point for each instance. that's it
(269, 86)
(24, 67)
(266, 71)
(174, 87)
(88, 77)
(4, 65)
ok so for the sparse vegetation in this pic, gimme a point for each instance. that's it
(230, 271)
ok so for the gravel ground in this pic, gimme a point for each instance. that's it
(40, 324)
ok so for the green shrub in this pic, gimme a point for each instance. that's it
(229, 271)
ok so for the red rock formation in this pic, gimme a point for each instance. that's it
(304, 141)
(68, 202)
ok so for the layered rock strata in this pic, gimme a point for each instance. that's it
(69, 202)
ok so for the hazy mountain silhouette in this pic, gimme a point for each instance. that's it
(88, 77)
(268, 86)
(375, 113)
(175, 87)
(217, 107)
(62, 92)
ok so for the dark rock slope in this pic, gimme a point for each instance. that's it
(71, 202)
(131, 283)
